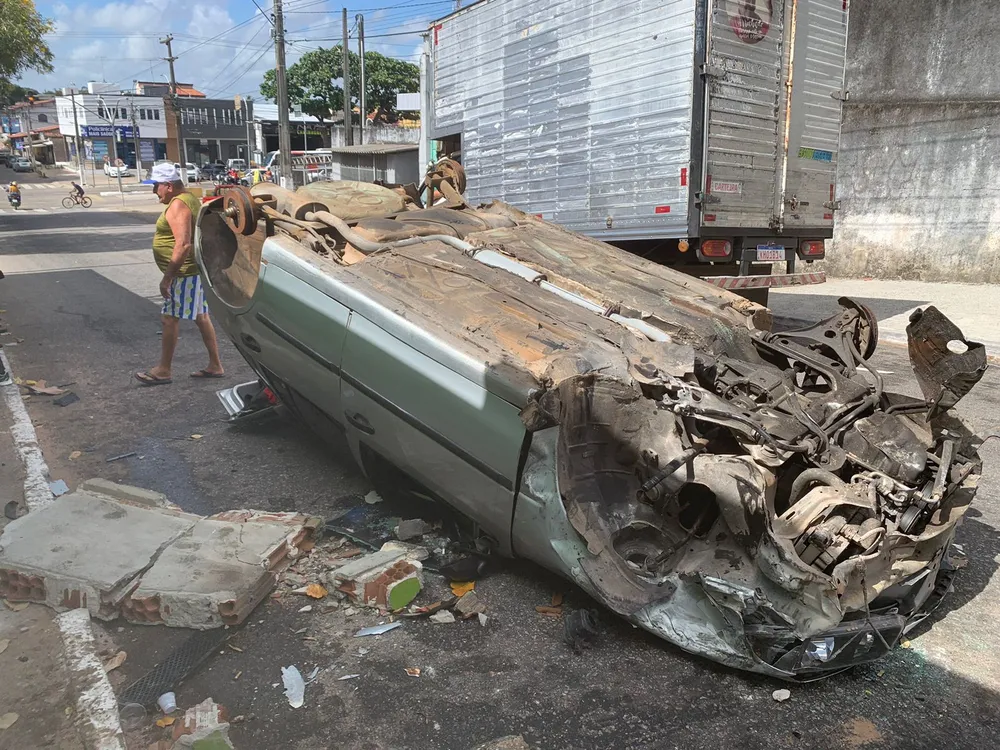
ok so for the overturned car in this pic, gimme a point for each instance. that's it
(755, 497)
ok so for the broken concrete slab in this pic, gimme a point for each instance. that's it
(117, 549)
(412, 529)
(216, 572)
(86, 549)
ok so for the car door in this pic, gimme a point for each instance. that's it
(450, 433)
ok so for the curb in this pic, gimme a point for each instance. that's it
(96, 704)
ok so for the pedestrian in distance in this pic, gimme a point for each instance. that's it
(183, 297)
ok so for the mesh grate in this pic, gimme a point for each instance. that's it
(170, 672)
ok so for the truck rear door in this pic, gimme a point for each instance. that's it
(818, 51)
(745, 75)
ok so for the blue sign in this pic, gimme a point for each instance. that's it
(121, 132)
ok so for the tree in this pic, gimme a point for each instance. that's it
(315, 83)
(11, 93)
(22, 45)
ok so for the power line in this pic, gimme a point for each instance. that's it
(269, 19)
(224, 69)
(261, 52)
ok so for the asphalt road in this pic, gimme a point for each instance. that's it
(92, 323)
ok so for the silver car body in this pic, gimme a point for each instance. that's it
(615, 421)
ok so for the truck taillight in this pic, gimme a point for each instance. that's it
(716, 248)
(812, 249)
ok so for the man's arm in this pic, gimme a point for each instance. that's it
(179, 219)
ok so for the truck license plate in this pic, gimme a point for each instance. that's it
(770, 253)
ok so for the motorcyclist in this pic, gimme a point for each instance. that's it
(13, 191)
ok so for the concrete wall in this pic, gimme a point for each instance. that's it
(919, 174)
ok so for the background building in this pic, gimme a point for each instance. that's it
(113, 124)
(46, 138)
(213, 129)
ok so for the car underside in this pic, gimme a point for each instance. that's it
(753, 496)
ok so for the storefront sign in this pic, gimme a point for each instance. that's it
(107, 131)
(100, 150)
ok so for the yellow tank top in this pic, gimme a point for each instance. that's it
(163, 239)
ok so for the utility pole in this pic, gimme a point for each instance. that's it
(28, 139)
(135, 141)
(181, 151)
(79, 143)
(284, 136)
(348, 132)
(360, 19)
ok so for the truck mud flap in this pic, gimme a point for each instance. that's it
(762, 282)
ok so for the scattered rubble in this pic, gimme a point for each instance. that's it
(469, 605)
(115, 661)
(443, 617)
(511, 742)
(7, 720)
(412, 529)
(146, 578)
(781, 695)
(580, 628)
(389, 579)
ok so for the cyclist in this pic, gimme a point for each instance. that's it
(77, 192)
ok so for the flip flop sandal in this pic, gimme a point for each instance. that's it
(148, 379)
(205, 374)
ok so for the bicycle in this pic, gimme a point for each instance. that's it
(72, 199)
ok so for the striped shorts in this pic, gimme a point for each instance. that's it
(186, 300)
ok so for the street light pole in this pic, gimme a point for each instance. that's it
(360, 19)
(79, 144)
(114, 140)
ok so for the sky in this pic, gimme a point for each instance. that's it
(223, 46)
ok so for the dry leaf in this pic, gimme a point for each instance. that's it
(15, 606)
(413, 671)
(7, 720)
(165, 721)
(235, 648)
(75, 455)
(115, 661)
(461, 588)
(315, 591)
(557, 599)
(4, 644)
(196, 436)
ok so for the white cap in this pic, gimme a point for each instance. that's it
(165, 172)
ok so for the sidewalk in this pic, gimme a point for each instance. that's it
(972, 307)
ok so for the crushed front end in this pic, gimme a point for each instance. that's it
(763, 500)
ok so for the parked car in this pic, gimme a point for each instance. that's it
(193, 172)
(756, 497)
(114, 170)
(22, 164)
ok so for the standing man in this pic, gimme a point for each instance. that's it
(183, 298)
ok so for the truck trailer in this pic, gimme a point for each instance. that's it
(702, 134)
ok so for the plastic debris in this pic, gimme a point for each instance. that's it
(377, 629)
(132, 715)
(69, 398)
(781, 695)
(165, 721)
(59, 487)
(461, 588)
(482, 619)
(464, 569)
(312, 675)
(307, 608)
(205, 727)
(373, 498)
(196, 436)
(348, 677)
(7, 720)
(442, 617)
(115, 661)
(470, 604)
(295, 686)
(413, 671)
(167, 702)
(119, 458)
